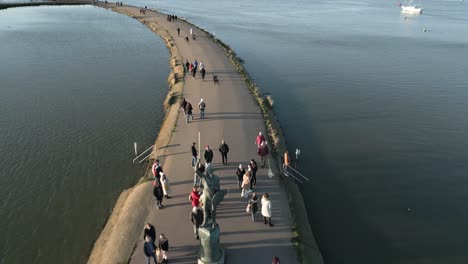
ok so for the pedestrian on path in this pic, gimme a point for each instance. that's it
(275, 260)
(196, 217)
(254, 167)
(187, 68)
(203, 73)
(183, 104)
(158, 193)
(196, 178)
(195, 196)
(260, 138)
(178, 31)
(224, 149)
(150, 231)
(164, 247)
(188, 112)
(157, 169)
(165, 185)
(194, 154)
(148, 249)
(191, 31)
(266, 209)
(263, 152)
(253, 205)
(208, 155)
(186, 40)
(245, 185)
(240, 174)
(202, 106)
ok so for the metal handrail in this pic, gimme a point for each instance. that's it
(296, 172)
(141, 154)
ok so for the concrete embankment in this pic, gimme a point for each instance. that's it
(234, 116)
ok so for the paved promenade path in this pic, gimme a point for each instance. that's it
(232, 115)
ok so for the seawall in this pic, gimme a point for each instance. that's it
(128, 216)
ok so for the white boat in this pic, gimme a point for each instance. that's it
(410, 8)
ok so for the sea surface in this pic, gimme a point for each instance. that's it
(378, 108)
(78, 85)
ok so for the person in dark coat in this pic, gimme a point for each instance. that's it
(224, 149)
(163, 246)
(263, 152)
(196, 217)
(150, 231)
(148, 249)
(254, 167)
(158, 193)
(188, 112)
(240, 174)
(183, 104)
(187, 67)
(194, 154)
(208, 155)
(203, 72)
(253, 205)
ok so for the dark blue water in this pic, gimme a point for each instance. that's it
(78, 86)
(378, 108)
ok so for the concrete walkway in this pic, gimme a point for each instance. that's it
(232, 115)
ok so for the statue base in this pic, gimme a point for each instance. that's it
(210, 251)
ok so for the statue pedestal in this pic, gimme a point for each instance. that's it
(210, 251)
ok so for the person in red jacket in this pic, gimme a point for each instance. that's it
(260, 138)
(263, 152)
(195, 197)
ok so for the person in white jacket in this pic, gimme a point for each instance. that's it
(266, 209)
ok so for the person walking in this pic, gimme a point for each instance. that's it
(202, 106)
(195, 196)
(183, 104)
(188, 112)
(191, 31)
(194, 154)
(259, 139)
(150, 231)
(253, 205)
(254, 167)
(165, 185)
(157, 169)
(191, 68)
(266, 209)
(158, 193)
(187, 68)
(263, 152)
(196, 178)
(196, 217)
(208, 155)
(245, 185)
(178, 31)
(224, 149)
(203, 73)
(148, 249)
(164, 247)
(240, 174)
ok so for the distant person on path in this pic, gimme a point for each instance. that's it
(191, 31)
(164, 247)
(245, 185)
(186, 39)
(240, 174)
(263, 152)
(275, 260)
(195, 196)
(178, 31)
(191, 68)
(202, 106)
(165, 185)
(157, 169)
(254, 167)
(266, 209)
(224, 149)
(187, 66)
(194, 154)
(259, 139)
(286, 160)
(195, 64)
(208, 155)
(188, 112)
(183, 104)
(158, 193)
(253, 206)
(201, 66)
(203, 73)
(150, 231)
(196, 217)
(148, 249)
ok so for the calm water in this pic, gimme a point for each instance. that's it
(78, 86)
(379, 109)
